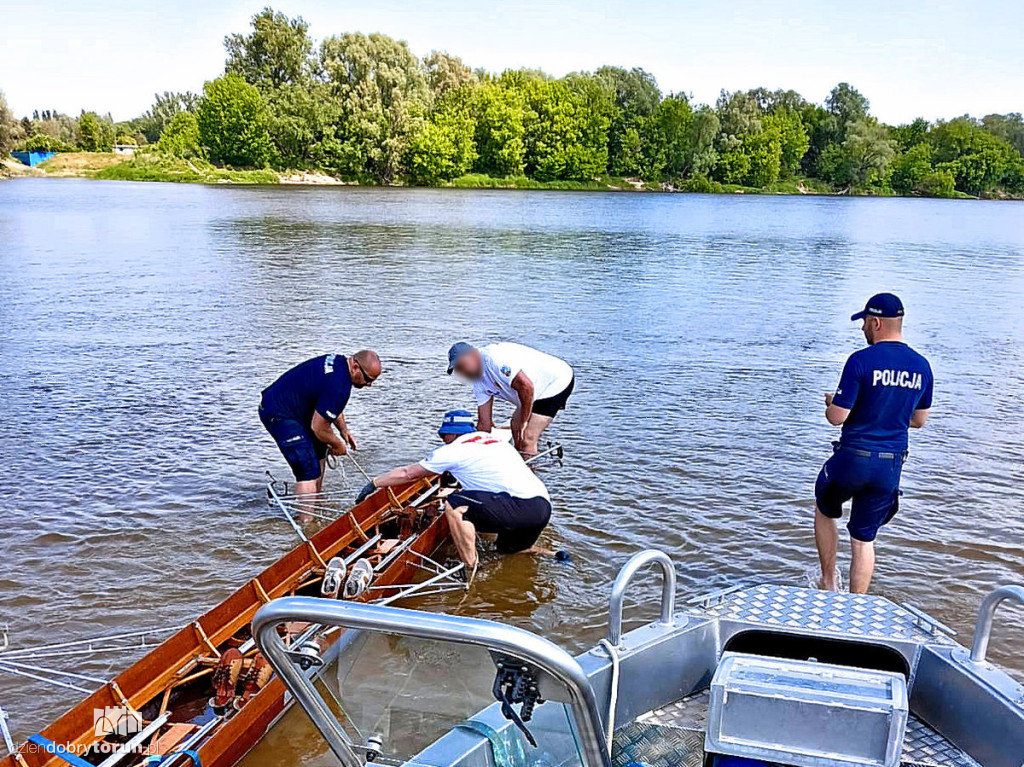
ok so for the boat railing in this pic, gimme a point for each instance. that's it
(625, 577)
(983, 626)
(495, 637)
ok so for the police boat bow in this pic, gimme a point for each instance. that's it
(745, 676)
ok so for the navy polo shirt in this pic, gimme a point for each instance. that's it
(320, 385)
(882, 386)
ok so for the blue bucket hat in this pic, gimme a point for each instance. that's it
(457, 422)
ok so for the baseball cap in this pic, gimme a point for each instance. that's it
(881, 305)
(457, 350)
(457, 422)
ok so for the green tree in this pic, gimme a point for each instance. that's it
(446, 73)
(793, 140)
(500, 131)
(977, 159)
(382, 94)
(181, 136)
(939, 183)
(276, 53)
(565, 136)
(702, 157)
(95, 134)
(848, 106)
(165, 106)
(10, 129)
(675, 122)
(1009, 128)
(443, 149)
(303, 123)
(911, 135)
(910, 168)
(862, 158)
(232, 123)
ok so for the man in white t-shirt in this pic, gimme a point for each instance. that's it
(500, 494)
(537, 384)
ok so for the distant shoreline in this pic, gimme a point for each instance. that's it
(105, 166)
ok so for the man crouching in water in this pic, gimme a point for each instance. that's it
(500, 494)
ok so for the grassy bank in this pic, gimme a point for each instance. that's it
(160, 167)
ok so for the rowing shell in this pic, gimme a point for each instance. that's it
(168, 690)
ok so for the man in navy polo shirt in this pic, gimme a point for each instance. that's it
(302, 408)
(885, 389)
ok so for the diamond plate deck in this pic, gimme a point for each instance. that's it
(680, 727)
(858, 615)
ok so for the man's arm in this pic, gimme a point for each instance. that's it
(325, 433)
(524, 388)
(401, 475)
(919, 418)
(485, 416)
(345, 433)
(834, 414)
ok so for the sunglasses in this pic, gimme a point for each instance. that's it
(366, 376)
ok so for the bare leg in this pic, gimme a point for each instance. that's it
(531, 434)
(307, 487)
(320, 479)
(826, 537)
(862, 565)
(463, 533)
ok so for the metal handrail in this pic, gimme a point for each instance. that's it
(506, 640)
(623, 579)
(983, 627)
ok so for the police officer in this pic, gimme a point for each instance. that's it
(303, 407)
(884, 390)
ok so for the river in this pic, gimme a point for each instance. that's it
(138, 323)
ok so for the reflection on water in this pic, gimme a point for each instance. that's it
(138, 324)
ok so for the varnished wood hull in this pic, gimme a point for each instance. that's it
(146, 680)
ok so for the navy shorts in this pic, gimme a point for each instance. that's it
(871, 482)
(517, 521)
(549, 406)
(297, 444)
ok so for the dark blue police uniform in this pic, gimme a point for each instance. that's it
(320, 385)
(882, 386)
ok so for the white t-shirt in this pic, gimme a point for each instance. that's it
(482, 461)
(502, 363)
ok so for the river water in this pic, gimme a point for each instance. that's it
(138, 323)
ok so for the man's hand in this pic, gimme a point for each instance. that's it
(349, 439)
(829, 396)
(337, 448)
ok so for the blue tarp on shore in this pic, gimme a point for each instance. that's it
(32, 159)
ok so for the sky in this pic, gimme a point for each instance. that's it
(930, 58)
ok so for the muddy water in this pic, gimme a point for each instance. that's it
(139, 322)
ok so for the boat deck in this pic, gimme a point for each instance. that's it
(674, 735)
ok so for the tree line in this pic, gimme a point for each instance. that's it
(364, 107)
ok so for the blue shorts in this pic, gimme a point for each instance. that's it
(872, 483)
(297, 444)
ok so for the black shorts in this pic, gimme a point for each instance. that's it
(549, 406)
(517, 521)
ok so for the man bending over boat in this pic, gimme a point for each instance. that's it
(885, 390)
(302, 410)
(537, 384)
(500, 494)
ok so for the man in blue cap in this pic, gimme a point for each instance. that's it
(499, 493)
(303, 408)
(884, 390)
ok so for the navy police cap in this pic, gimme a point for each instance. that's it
(884, 305)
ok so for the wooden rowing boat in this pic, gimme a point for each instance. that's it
(176, 681)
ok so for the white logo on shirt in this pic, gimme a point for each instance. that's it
(329, 364)
(902, 378)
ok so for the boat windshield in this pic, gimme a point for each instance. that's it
(397, 697)
(440, 690)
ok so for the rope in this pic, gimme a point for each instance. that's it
(613, 697)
